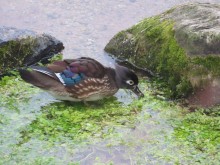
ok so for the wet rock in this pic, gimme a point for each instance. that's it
(182, 45)
(197, 28)
(208, 95)
(24, 47)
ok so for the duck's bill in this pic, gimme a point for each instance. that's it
(137, 91)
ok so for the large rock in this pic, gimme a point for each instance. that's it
(182, 45)
(24, 47)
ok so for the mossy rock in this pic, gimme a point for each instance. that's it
(24, 47)
(181, 45)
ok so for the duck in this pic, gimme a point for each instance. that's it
(81, 79)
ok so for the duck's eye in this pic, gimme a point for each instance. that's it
(130, 82)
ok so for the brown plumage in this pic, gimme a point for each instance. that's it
(82, 79)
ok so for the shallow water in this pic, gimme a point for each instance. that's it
(84, 26)
(37, 129)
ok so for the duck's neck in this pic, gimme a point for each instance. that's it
(113, 77)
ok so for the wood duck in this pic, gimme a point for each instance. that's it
(82, 79)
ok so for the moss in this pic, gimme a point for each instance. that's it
(14, 53)
(125, 49)
(210, 63)
(56, 57)
(199, 129)
(36, 129)
(78, 121)
(13, 92)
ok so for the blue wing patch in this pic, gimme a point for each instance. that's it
(69, 78)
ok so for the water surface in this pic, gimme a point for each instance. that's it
(84, 26)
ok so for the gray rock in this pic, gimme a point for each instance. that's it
(24, 47)
(197, 28)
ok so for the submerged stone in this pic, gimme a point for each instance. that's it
(24, 47)
(182, 45)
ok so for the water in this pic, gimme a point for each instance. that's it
(84, 26)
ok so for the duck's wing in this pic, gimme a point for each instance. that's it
(41, 77)
(69, 73)
(85, 65)
(88, 66)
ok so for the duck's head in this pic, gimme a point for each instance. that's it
(127, 79)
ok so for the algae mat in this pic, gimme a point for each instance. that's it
(37, 129)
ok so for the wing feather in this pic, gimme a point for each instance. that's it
(71, 72)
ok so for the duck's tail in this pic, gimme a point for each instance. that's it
(39, 76)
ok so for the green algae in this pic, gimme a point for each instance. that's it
(200, 129)
(14, 53)
(210, 63)
(56, 57)
(37, 129)
(13, 91)
(78, 121)
(163, 54)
